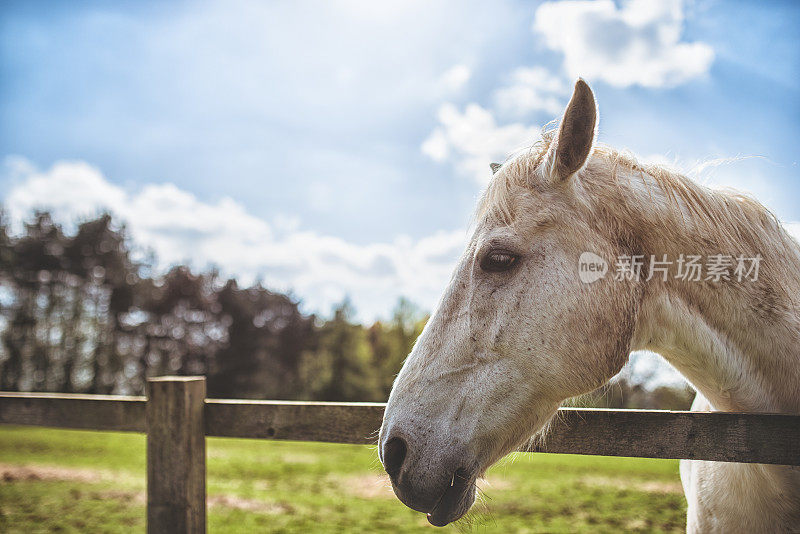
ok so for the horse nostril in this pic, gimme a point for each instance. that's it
(394, 453)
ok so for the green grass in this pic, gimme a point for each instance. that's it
(75, 481)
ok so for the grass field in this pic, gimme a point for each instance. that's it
(76, 481)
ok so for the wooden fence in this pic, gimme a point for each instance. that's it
(177, 417)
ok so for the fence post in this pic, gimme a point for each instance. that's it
(176, 455)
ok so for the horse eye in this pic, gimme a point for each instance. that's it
(498, 260)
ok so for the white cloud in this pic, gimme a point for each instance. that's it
(455, 78)
(80, 188)
(794, 229)
(437, 146)
(179, 228)
(472, 139)
(669, 161)
(533, 89)
(638, 43)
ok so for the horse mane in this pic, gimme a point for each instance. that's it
(616, 182)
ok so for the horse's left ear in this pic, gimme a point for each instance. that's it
(571, 148)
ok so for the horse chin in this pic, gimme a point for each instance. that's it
(456, 500)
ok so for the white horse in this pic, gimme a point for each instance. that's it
(518, 331)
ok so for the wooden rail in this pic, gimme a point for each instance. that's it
(177, 417)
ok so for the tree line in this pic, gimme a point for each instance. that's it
(80, 313)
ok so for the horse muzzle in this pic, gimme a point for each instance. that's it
(427, 477)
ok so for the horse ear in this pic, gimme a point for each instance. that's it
(571, 148)
(495, 167)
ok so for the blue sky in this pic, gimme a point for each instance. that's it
(338, 148)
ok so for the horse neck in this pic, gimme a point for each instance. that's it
(737, 342)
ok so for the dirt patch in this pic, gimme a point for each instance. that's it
(494, 484)
(660, 487)
(647, 486)
(372, 486)
(14, 473)
(636, 524)
(250, 505)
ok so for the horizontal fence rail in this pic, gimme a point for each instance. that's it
(717, 436)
